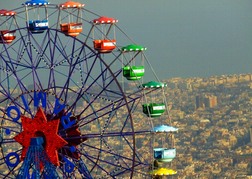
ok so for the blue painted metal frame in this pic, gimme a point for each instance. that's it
(34, 158)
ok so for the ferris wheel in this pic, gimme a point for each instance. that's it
(74, 101)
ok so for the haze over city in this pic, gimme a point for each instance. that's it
(184, 38)
(84, 102)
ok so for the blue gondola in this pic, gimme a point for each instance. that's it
(37, 25)
(164, 154)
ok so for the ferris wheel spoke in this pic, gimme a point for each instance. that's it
(99, 161)
(88, 71)
(9, 119)
(112, 150)
(52, 55)
(12, 130)
(17, 64)
(8, 95)
(38, 45)
(97, 113)
(17, 60)
(53, 51)
(22, 35)
(64, 48)
(4, 99)
(120, 104)
(9, 66)
(41, 54)
(118, 168)
(98, 96)
(52, 38)
(99, 77)
(131, 147)
(82, 168)
(14, 169)
(7, 48)
(69, 81)
(97, 167)
(98, 150)
(58, 44)
(108, 134)
(9, 175)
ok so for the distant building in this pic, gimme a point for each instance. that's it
(206, 101)
(210, 101)
(199, 102)
(250, 133)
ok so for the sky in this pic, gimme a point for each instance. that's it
(184, 38)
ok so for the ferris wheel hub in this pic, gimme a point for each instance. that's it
(39, 126)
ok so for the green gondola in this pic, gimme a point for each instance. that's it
(154, 109)
(133, 47)
(153, 84)
(133, 72)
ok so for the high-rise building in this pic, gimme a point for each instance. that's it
(199, 102)
(250, 133)
(206, 101)
(210, 101)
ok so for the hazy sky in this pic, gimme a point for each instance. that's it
(185, 38)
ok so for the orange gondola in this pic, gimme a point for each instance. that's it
(71, 28)
(6, 35)
(105, 45)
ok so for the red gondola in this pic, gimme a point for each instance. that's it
(6, 35)
(105, 44)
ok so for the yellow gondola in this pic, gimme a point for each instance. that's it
(163, 172)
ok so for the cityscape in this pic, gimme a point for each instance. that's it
(214, 120)
(213, 116)
(76, 100)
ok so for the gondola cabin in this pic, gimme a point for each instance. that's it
(37, 25)
(105, 44)
(71, 27)
(133, 72)
(164, 154)
(133, 51)
(163, 172)
(6, 35)
(153, 109)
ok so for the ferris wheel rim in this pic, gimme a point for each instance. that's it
(124, 97)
